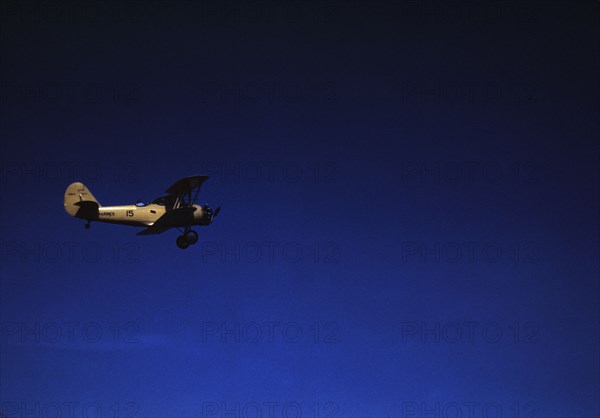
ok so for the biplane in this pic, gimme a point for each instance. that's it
(177, 209)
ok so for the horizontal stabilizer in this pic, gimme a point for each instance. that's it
(88, 209)
(87, 204)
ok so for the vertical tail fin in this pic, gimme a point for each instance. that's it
(80, 202)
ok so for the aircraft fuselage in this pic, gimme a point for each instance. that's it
(144, 215)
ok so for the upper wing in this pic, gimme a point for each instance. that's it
(186, 185)
(183, 192)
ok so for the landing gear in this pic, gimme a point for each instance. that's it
(188, 238)
(191, 237)
(182, 242)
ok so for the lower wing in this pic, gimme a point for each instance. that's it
(172, 219)
(153, 230)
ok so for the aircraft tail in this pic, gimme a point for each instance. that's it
(80, 202)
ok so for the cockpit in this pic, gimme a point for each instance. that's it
(159, 201)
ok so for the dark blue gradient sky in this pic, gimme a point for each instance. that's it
(410, 209)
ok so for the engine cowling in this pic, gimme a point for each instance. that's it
(207, 215)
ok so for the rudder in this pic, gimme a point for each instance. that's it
(80, 202)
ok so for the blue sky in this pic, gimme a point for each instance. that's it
(409, 223)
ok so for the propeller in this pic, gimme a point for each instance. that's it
(208, 215)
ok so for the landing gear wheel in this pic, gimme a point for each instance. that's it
(87, 225)
(191, 237)
(181, 242)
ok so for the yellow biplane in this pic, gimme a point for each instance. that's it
(177, 209)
